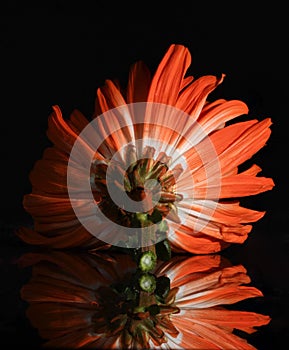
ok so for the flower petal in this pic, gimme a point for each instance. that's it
(239, 142)
(217, 117)
(109, 96)
(212, 235)
(47, 209)
(243, 185)
(61, 318)
(168, 78)
(138, 83)
(189, 339)
(73, 340)
(229, 213)
(182, 239)
(115, 126)
(192, 99)
(217, 337)
(59, 132)
(63, 136)
(210, 281)
(77, 121)
(230, 319)
(76, 237)
(49, 176)
(180, 266)
(219, 296)
(62, 292)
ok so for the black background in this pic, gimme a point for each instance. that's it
(55, 53)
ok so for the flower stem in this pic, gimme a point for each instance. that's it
(149, 236)
(149, 233)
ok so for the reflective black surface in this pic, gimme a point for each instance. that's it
(258, 255)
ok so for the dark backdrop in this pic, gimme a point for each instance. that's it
(54, 53)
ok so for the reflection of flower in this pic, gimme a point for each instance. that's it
(222, 219)
(92, 301)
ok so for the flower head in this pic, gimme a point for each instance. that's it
(158, 159)
(95, 301)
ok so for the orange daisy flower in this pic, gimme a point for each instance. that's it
(95, 301)
(157, 158)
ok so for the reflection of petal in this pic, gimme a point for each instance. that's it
(73, 303)
(69, 238)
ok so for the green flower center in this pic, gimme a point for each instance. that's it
(147, 180)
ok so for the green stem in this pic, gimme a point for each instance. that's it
(150, 233)
(146, 299)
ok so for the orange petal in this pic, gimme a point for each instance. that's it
(54, 320)
(179, 266)
(219, 296)
(218, 116)
(252, 171)
(195, 223)
(57, 316)
(62, 135)
(74, 340)
(210, 157)
(229, 213)
(198, 244)
(186, 82)
(192, 99)
(211, 105)
(49, 176)
(243, 320)
(188, 339)
(49, 209)
(53, 153)
(109, 96)
(77, 121)
(59, 132)
(244, 185)
(235, 146)
(138, 83)
(207, 280)
(168, 79)
(212, 238)
(115, 127)
(44, 289)
(77, 237)
(216, 337)
(70, 267)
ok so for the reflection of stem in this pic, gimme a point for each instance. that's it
(146, 299)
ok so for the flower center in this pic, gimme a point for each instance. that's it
(147, 182)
